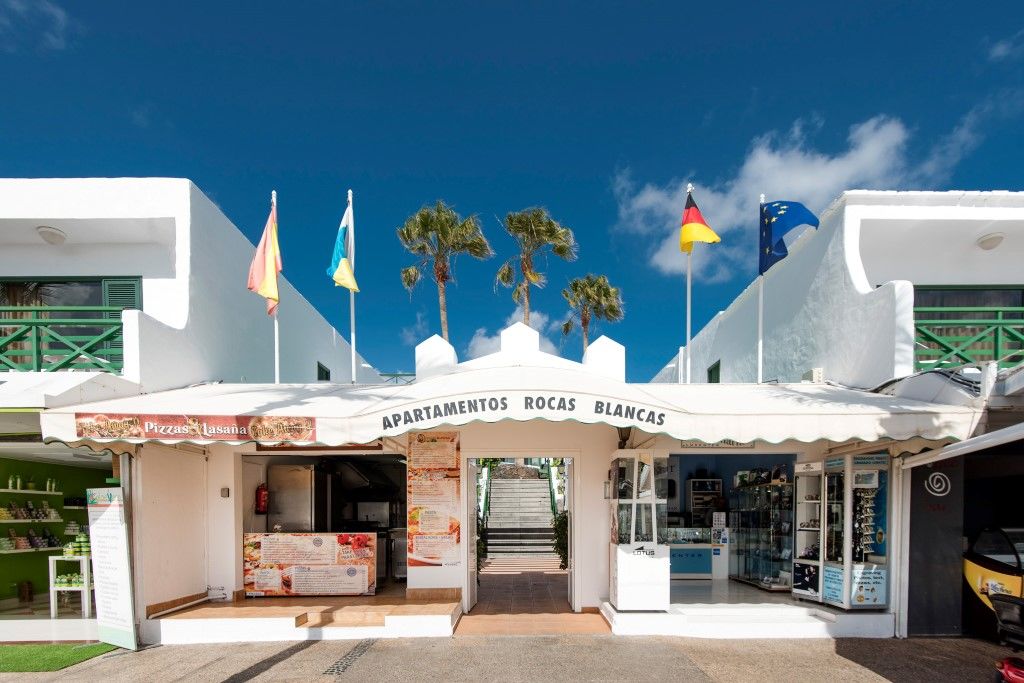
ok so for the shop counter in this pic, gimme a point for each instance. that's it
(698, 553)
(291, 563)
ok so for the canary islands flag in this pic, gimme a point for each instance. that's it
(694, 228)
(266, 264)
(341, 270)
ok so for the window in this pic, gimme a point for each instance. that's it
(123, 293)
(323, 373)
(715, 372)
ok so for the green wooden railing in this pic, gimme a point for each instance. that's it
(951, 336)
(53, 338)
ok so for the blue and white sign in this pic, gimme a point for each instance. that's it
(832, 584)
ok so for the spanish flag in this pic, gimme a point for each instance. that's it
(694, 228)
(267, 264)
(340, 269)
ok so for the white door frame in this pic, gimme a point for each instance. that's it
(479, 453)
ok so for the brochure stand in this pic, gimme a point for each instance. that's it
(855, 573)
(638, 553)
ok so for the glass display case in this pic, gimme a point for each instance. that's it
(684, 535)
(761, 517)
(807, 560)
(639, 554)
(855, 573)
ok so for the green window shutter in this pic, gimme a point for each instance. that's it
(124, 293)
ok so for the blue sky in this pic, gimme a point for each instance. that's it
(600, 112)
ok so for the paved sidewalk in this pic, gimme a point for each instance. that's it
(546, 658)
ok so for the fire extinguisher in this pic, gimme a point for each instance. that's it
(262, 499)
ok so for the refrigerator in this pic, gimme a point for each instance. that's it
(299, 499)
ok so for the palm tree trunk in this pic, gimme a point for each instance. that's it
(585, 327)
(526, 304)
(442, 302)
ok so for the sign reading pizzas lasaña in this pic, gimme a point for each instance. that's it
(200, 427)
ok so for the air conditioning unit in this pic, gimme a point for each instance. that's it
(815, 376)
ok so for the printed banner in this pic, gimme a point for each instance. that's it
(433, 499)
(309, 564)
(111, 567)
(198, 427)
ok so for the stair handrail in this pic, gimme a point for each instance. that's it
(487, 494)
(551, 490)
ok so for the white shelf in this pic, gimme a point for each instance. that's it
(30, 550)
(815, 502)
(77, 589)
(33, 493)
(75, 507)
(816, 563)
(31, 521)
(809, 528)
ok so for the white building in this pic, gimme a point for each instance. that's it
(928, 285)
(121, 287)
(853, 297)
(165, 261)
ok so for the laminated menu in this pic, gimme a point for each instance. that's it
(309, 564)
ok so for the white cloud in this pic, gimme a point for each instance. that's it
(1007, 48)
(785, 166)
(417, 332)
(41, 24)
(484, 343)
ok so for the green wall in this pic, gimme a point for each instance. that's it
(73, 481)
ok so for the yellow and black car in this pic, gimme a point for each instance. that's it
(993, 564)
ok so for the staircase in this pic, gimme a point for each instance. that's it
(519, 522)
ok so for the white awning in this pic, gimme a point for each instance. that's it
(335, 415)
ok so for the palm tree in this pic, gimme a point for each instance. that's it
(436, 234)
(534, 230)
(591, 298)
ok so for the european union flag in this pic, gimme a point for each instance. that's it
(778, 218)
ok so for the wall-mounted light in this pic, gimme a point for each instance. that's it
(990, 241)
(51, 235)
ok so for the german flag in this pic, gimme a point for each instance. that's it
(694, 228)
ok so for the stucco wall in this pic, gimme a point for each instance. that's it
(198, 320)
(843, 300)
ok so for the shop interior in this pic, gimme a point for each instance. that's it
(751, 528)
(359, 498)
(44, 542)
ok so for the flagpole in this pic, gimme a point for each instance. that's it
(689, 293)
(277, 328)
(351, 293)
(760, 298)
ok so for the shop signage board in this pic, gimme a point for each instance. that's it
(434, 500)
(867, 587)
(309, 564)
(195, 427)
(111, 567)
(832, 584)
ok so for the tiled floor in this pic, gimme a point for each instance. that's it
(526, 596)
(322, 611)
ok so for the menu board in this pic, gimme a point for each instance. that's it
(309, 564)
(111, 568)
(433, 499)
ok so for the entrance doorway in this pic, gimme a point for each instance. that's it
(523, 576)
